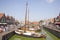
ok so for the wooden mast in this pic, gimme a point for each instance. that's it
(26, 15)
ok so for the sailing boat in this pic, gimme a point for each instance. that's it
(26, 30)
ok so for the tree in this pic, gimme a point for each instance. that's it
(41, 22)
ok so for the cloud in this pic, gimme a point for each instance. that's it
(50, 1)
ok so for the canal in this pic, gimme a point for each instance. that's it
(49, 37)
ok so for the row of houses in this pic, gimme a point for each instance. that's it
(57, 20)
(53, 22)
(6, 19)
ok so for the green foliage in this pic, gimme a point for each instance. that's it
(16, 37)
(41, 20)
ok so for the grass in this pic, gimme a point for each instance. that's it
(16, 37)
(53, 37)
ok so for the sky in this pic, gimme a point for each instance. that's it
(38, 9)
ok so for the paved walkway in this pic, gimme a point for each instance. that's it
(4, 33)
(52, 27)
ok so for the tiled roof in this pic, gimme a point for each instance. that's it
(1, 14)
(35, 22)
(7, 17)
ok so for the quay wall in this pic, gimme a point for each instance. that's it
(56, 33)
(8, 35)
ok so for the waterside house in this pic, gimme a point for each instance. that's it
(6, 20)
(2, 19)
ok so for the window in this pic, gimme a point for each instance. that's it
(3, 20)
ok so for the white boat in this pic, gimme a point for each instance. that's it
(30, 34)
(19, 31)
